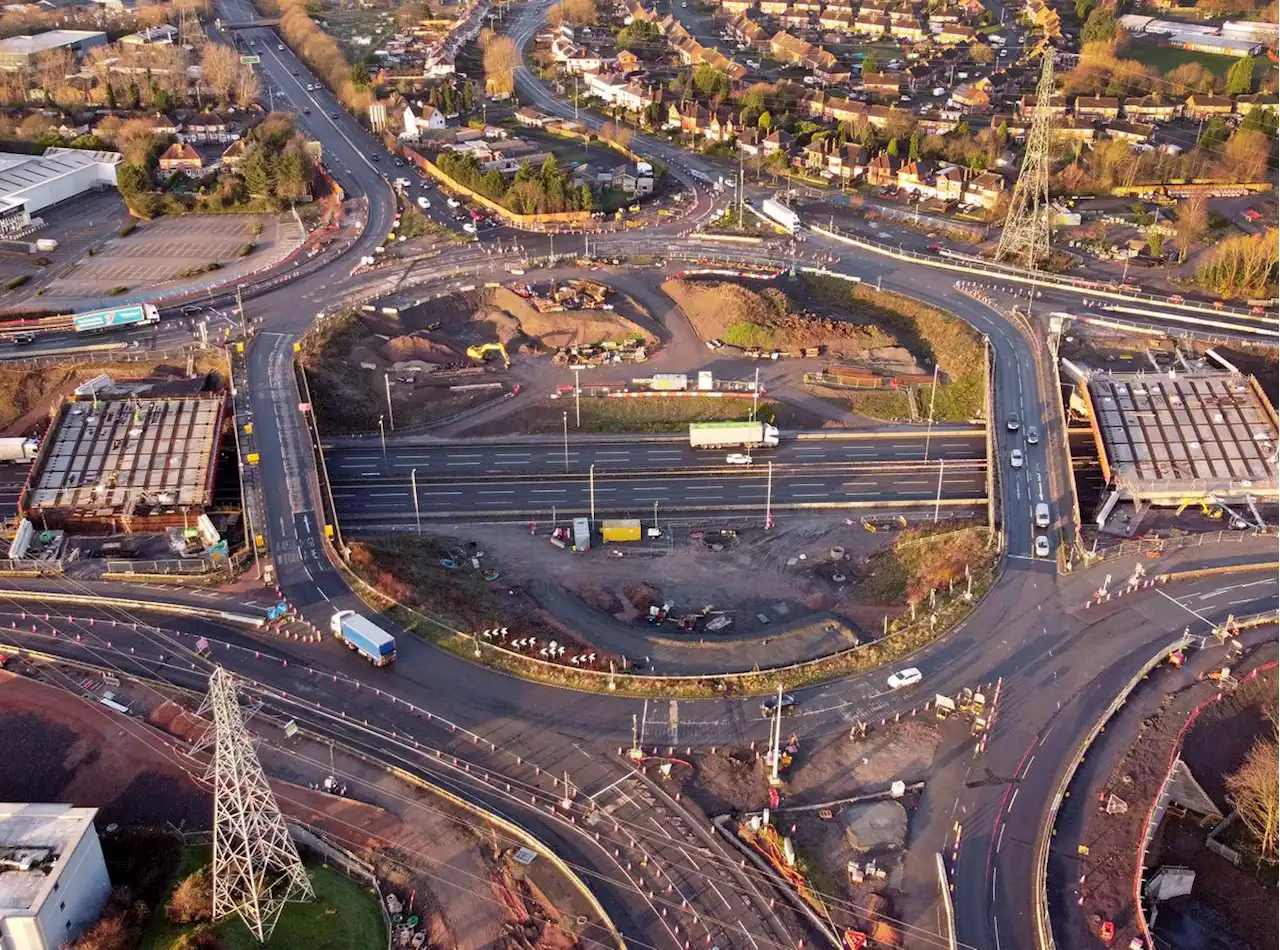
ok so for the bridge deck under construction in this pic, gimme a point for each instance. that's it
(1166, 438)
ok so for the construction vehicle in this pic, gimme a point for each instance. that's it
(943, 707)
(478, 353)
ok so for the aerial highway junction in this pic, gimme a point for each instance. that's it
(516, 742)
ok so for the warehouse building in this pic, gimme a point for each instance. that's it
(53, 879)
(21, 52)
(138, 464)
(1176, 439)
(31, 183)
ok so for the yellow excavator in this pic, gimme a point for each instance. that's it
(478, 353)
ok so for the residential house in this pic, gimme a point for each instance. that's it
(1046, 18)
(807, 6)
(617, 91)
(509, 156)
(973, 96)
(833, 74)
(985, 190)
(814, 154)
(628, 61)
(207, 127)
(1256, 100)
(884, 116)
(882, 170)
(882, 84)
(849, 162)
(629, 180)
(749, 141)
(1097, 107)
(774, 8)
(532, 118)
(181, 157)
(838, 109)
(835, 22)
(1200, 106)
(735, 7)
(795, 20)
(1074, 129)
(954, 33)
(1015, 126)
(689, 117)
(910, 30)
(1057, 106)
(415, 124)
(233, 154)
(917, 177)
(940, 124)
(791, 49)
(721, 127)
(1151, 109)
(748, 31)
(948, 184)
(1131, 132)
(871, 24)
(779, 140)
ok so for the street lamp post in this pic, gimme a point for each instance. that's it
(937, 501)
(382, 434)
(933, 394)
(591, 489)
(577, 396)
(755, 395)
(391, 419)
(413, 487)
(566, 440)
(768, 499)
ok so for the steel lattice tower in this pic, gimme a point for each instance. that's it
(256, 868)
(1025, 238)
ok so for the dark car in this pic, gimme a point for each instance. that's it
(769, 706)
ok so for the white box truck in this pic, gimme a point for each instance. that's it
(723, 435)
(18, 449)
(780, 215)
(364, 636)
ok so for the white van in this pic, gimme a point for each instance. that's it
(1042, 515)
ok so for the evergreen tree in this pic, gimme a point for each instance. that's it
(915, 146)
(111, 97)
(1240, 77)
(893, 147)
(765, 122)
(468, 102)
(257, 172)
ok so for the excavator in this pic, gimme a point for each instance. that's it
(478, 353)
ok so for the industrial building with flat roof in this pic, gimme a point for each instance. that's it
(1174, 439)
(19, 52)
(53, 879)
(130, 464)
(30, 183)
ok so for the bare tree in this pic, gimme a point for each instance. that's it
(53, 67)
(247, 86)
(500, 62)
(1191, 227)
(218, 67)
(135, 141)
(1255, 790)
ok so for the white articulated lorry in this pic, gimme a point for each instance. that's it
(723, 435)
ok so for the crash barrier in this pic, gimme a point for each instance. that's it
(991, 270)
(1040, 864)
(115, 353)
(190, 566)
(948, 908)
(1271, 566)
(23, 567)
(124, 603)
(1156, 547)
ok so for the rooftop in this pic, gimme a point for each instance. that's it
(34, 841)
(53, 39)
(120, 456)
(1180, 435)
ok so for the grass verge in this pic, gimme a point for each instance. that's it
(887, 404)
(664, 415)
(921, 560)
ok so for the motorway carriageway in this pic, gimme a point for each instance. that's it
(362, 500)
(549, 455)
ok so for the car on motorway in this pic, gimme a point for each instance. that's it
(1033, 436)
(23, 339)
(423, 203)
(306, 110)
(453, 203)
(738, 458)
(1042, 546)
(904, 678)
(769, 707)
(1042, 515)
(1012, 424)
(374, 156)
(399, 163)
(1015, 458)
(279, 47)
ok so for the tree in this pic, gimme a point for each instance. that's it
(161, 101)
(1155, 243)
(982, 54)
(359, 73)
(871, 63)
(710, 81)
(638, 33)
(1191, 225)
(218, 67)
(915, 147)
(1083, 8)
(1260, 120)
(192, 900)
(132, 180)
(1101, 25)
(1243, 265)
(136, 140)
(765, 122)
(893, 147)
(1214, 134)
(247, 86)
(111, 97)
(1240, 77)
(500, 62)
(1244, 158)
(257, 172)
(1255, 790)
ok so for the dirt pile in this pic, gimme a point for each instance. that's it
(879, 911)
(769, 319)
(875, 827)
(402, 349)
(509, 312)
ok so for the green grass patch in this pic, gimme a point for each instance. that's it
(921, 560)
(888, 404)
(1168, 58)
(345, 915)
(745, 334)
(117, 291)
(128, 229)
(926, 331)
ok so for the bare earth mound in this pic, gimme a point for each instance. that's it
(564, 328)
(767, 318)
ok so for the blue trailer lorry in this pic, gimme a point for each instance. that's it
(364, 636)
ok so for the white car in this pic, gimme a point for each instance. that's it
(905, 678)
(279, 47)
(454, 203)
(423, 203)
(469, 228)
(1033, 436)
(1015, 458)
(737, 458)
(1042, 546)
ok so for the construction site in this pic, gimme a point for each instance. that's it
(1184, 432)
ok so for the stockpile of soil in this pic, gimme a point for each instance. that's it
(767, 318)
(513, 315)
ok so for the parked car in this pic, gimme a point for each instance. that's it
(769, 706)
(904, 678)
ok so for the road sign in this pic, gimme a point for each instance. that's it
(251, 60)
(290, 729)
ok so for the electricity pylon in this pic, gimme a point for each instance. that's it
(1025, 238)
(256, 868)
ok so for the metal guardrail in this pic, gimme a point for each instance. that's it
(948, 908)
(139, 355)
(126, 603)
(1040, 882)
(187, 566)
(1165, 545)
(24, 566)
